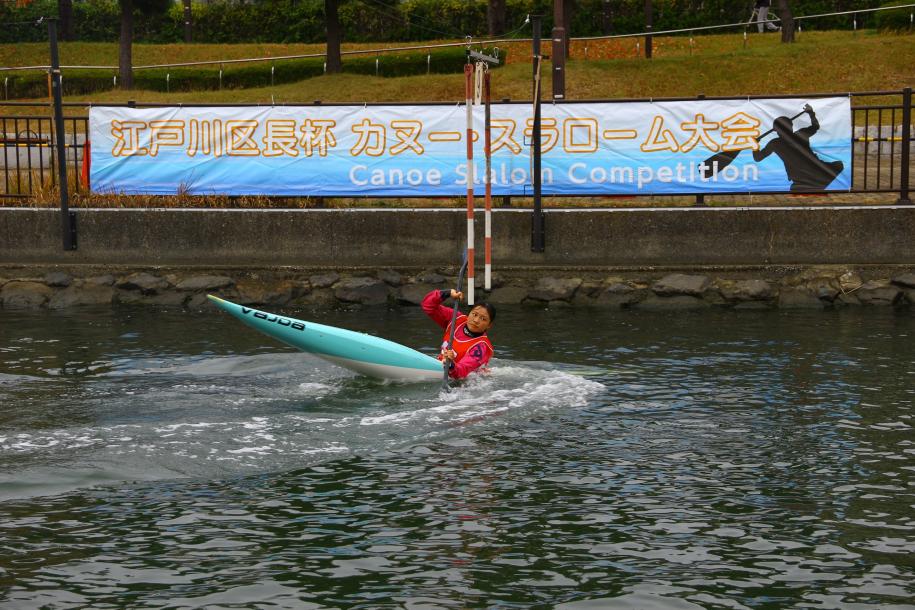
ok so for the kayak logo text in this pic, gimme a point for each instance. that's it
(273, 318)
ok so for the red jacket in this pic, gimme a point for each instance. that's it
(473, 351)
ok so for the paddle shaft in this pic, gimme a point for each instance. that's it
(723, 159)
(454, 313)
(764, 134)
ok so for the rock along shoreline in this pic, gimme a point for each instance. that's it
(822, 287)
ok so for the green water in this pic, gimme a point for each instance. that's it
(616, 460)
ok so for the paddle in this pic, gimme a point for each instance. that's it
(454, 314)
(723, 159)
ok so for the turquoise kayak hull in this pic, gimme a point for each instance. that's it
(359, 352)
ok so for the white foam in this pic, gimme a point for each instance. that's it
(486, 394)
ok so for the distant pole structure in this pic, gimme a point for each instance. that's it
(559, 50)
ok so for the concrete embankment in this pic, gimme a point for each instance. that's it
(646, 258)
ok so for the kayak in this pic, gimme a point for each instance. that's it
(359, 352)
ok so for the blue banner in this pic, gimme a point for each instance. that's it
(626, 148)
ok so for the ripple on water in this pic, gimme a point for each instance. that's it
(713, 462)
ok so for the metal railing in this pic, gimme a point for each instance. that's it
(881, 146)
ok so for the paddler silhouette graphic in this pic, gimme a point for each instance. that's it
(806, 171)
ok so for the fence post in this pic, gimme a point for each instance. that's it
(67, 218)
(904, 198)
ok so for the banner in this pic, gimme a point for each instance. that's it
(627, 148)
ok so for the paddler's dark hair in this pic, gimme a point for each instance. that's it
(490, 309)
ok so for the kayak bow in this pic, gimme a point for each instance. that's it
(359, 352)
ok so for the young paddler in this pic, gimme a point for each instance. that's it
(471, 348)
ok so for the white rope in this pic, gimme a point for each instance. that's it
(479, 69)
(451, 44)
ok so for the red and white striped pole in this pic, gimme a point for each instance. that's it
(468, 79)
(487, 273)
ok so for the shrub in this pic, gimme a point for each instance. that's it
(895, 21)
(285, 21)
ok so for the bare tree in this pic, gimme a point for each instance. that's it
(787, 18)
(495, 17)
(334, 36)
(569, 9)
(125, 45)
(65, 14)
(125, 42)
(188, 22)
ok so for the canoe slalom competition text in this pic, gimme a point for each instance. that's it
(587, 149)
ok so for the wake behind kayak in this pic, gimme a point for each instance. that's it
(359, 352)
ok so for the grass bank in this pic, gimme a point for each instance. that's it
(819, 62)
(682, 66)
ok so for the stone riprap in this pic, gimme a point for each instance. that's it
(809, 288)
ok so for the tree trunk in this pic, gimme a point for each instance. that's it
(568, 9)
(787, 19)
(649, 26)
(125, 52)
(65, 12)
(334, 36)
(495, 17)
(188, 22)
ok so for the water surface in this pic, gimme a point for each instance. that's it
(609, 460)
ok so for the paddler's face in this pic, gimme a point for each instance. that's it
(478, 320)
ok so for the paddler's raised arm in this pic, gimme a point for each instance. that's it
(432, 305)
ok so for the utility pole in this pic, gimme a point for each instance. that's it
(559, 50)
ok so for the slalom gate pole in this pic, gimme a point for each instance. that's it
(487, 273)
(468, 80)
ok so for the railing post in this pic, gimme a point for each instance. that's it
(537, 232)
(67, 219)
(700, 199)
(904, 198)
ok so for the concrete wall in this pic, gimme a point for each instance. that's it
(691, 237)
